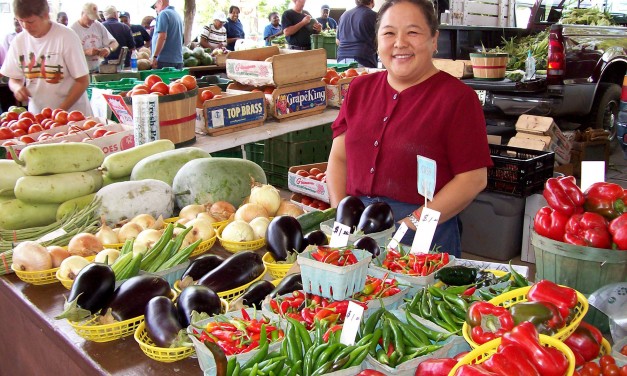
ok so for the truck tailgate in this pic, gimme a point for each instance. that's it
(506, 85)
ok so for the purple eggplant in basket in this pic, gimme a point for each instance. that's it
(197, 298)
(162, 323)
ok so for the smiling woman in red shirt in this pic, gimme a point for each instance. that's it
(388, 118)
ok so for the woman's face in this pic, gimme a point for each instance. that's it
(405, 44)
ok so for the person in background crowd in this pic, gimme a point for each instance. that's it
(147, 23)
(373, 155)
(273, 29)
(140, 35)
(62, 18)
(167, 44)
(214, 36)
(234, 28)
(101, 17)
(121, 33)
(356, 35)
(297, 28)
(45, 65)
(6, 42)
(327, 22)
(96, 40)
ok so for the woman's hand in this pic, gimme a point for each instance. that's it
(22, 94)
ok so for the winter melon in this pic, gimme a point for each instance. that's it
(164, 166)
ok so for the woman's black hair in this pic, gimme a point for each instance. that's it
(425, 6)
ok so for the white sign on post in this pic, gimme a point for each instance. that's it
(425, 230)
(398, 236)
(354, 312)
(339, 236)
(426, 177)
(592, 172)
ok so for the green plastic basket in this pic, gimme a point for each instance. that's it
(166, 74)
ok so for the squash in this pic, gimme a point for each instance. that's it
(17, 214)
(164, 166)
(11, 171)
(216, 179)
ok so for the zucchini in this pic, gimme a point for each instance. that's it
(57, 188)
(121, 164)
(11, 171)
(457, 275)
(58, 158)
(164, 166)
(17, 214)
(311, 221)
(74, 204)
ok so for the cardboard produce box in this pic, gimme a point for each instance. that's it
(541, 133)
(337, 93)
(271, 66)
(232, 111)
(308, 185)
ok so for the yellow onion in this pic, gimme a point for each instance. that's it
(84, 244)
(57, 254)
(250, 211)
(70, 267)
(31, 256)
(108, 254)
(238, 231)
(144, 220)
(221, 210)
(202, 229)
(289, 208)
(260, 225)
(105, 234)
(129, 231)
(145, 240)
(191, 211)
(266, 196)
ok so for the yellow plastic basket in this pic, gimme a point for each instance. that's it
(483, 352)
(215, 225)
(40, 277)
(67, 283)
(232, 294)
(203, 247)
(161, 354)
(277, 271)
(117, 246)
(235, 247)
(606, 348)
(520, 295)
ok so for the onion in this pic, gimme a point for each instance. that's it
(31, 256)
(84, 244)
(177, 232)
(108, 254)
(266, 196)
(159, 223)
(260, 225)
(202, 229)
(250, 211)
(129, 231)
(71, 266)
(221, 210)
(106, 235)
(207, 217)
(191, 211)
(57, 254)
(145, 240)
(182, 221)
(238, 231)
(289, 208)
(144, 220)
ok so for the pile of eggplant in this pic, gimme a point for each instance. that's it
(376, 217)
(285, 239)
(258, 291)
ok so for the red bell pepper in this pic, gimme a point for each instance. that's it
(521, 364)
(488, 321)
(564, 298)
(588, 230)
(474, 370)
(585, 342)
(545, 360)
(550, 223)
(618, 230)
(563, 195)
(436, 367)
(607, 199)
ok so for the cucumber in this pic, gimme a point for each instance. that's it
(208, 180)
(58, 158)
(74, 204)
(107, 180)
(164, 166)
(11, 171)
(17, 215)
(57, 188)
(311, 221)
(121, 164)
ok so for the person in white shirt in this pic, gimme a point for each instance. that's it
(214, 35)
(96, 40)
(45, 64)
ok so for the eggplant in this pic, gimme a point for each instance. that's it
(368, 244)
(130, 298)
(198, 268)
(376, 217)
(255, 294)
(197, 298)
(317, 237)
(288, 284)
(284, 235)
(91, 291)
(349, 211)
(235, 271)
(162, 322)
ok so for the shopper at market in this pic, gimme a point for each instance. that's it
(273, 29)
(327, 22)
(62, 18)
(390, 117)
(148, 24)
(356, 35)
(96, 40)
(297, 28)
(121, 33)
(167, 44)
(214, 36)
(140, 34)
(234, 28)
(8, 39)
(45, 65)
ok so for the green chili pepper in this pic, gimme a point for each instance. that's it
(518, 278)
(387, 334)
(399, 345)
(230, 366)
(382, 357)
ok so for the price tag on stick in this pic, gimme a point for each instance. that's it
(354, 312)
(340, 234)
(425, 230)
(398, 236)
(426, 177)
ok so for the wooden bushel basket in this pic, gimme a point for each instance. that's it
(489, 66)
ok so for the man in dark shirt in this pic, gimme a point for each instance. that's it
(356, 35)
(327, 22)
(140, 35)
(121, 33)
(297, 26)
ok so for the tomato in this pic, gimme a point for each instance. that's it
(160, 87)
(133, 93)
(217, 96)
(9, 143)
(314, 171)
(59, 134)
(44, 136)
(12, 116)
(75, 116)
(27, 139)
(55, 112)
(605, 360)
(27, 115)
(363, 73)
(206, 95)
(6, 133)
(624, 350)
(74, 131)
(61, 117)
(320, 176)
(351, 72)
(39, 118)
(109, 133)
(141, 87)
(189, 82)
(19, 132)
(623, 369)
(35, 128)
(99, 132)
(592, 369)
(304, 173)
(269, 90)
(46, 112)
(152, 79)
(306, 200)
(323, 206)
(177, 87)
(25, 123)
(611, 370)
(55, 125)
(88, 124)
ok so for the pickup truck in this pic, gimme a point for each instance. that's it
(586, 66)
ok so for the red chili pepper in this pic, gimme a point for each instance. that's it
(390, 349)
(488, 321)
(563, 297)
(470, 291)
(253, 345)
(224, 335)
(317, 256)
(245, 315)
(588, 230)
(333, 329)
(307, 316)
(298, 294)
(332, 258)
(550, 223)
(296, 302)
(228, 348)
(274, 306)
(563, 195)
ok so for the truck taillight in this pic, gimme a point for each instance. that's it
(556, 61)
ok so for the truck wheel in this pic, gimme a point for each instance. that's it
(605, 108)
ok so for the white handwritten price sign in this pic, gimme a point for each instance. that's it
(427, 169)
(354, 312)
(398, 236)
(425, 230)
(340, 234)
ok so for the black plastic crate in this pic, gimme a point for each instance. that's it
(519, 172)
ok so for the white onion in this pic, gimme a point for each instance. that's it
(129, 231)
(191, 211)
(222, 210)
(106, 235)
(182, 221)
(238, 231)
(71, 266)
(31, 256)
(145, 240)
(177, 232)
(250, 211)
(202, 229)
(57, 255)
(144, 220)
(289, 208)
(207, 217)
(108, 254)
(260, 225)
(266, 196)
(84, 244)
(159, 223)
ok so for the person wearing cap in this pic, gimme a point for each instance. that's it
(273, 29)
(296, 26)
(45, 64)
(96, 40)
(121, 33)
(327, 22)
(62, 18)
(356, 35)
(140, 34)
(167, 44)
(214, 36)
(234, 28)
(148, 23)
